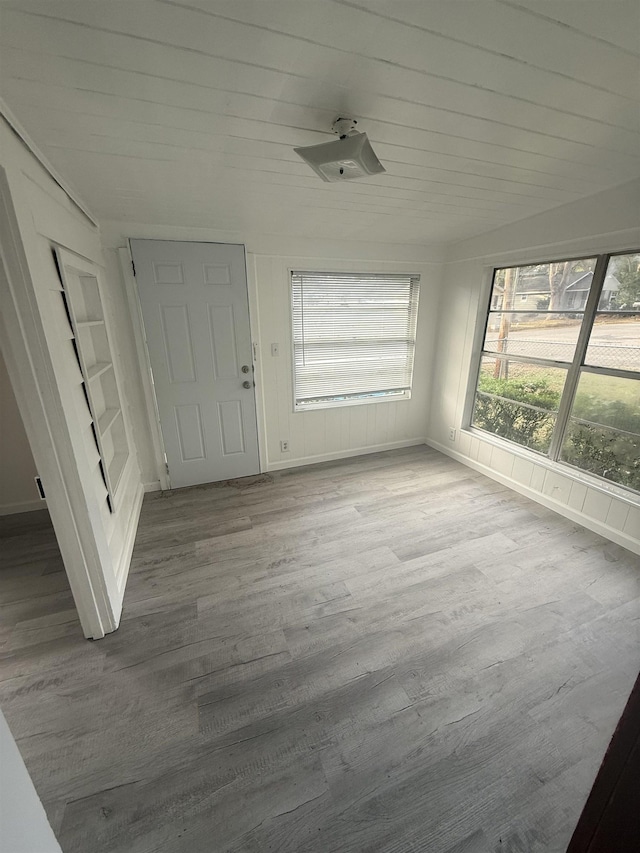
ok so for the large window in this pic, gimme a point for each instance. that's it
(353, 337)
(559, 369)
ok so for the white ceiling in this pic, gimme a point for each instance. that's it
(186, 112)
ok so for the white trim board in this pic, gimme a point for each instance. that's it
(22, 506)
(256, 355)
(344, 454)
(124, 563)
(153, 419)
(33, 149)
(599, 527)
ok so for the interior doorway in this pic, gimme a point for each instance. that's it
(33, 581)
(19, 491)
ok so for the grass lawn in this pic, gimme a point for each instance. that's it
(610, 388)
(606, 388)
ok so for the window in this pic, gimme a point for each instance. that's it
(559, 370)
(353, 337)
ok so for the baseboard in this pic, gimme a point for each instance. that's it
(610, 533)
(342, 454)
(122, 569)
(152, 487)
(22, 506)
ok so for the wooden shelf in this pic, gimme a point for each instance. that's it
(116, 467)
(98, 369)
(93, 456)
(85, 311)
(107, 419)
(84, 324)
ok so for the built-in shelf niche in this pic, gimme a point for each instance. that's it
(81, 292)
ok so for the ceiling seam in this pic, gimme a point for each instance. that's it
(253, 139)
(399, 99)
(314, 130)
(526, 10)
(200, 52)
(24, 139)
(472, 45)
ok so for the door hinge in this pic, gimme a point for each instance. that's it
(133, 268)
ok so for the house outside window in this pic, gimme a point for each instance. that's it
(353, 337)
(559, 370)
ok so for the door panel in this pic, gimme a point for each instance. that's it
(176, 334)
(196, 316)
(223, 342)
(230, 416)
(190, 432)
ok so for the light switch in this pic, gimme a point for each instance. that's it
(275, 349)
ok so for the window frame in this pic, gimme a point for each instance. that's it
(367, 398)
(552, 458)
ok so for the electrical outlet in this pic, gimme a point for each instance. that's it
(284, 446)
(452, 434)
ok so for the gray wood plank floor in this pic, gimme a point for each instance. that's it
(389, 653)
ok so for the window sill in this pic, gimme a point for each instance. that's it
(628, 496)
(389, 398)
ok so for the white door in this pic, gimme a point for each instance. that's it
(196, 317)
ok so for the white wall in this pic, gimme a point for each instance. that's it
(342, 431)
(608, 221)
(18, 491)
(320, 434)
(24, 827)
(61, 439)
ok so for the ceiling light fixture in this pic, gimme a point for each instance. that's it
(349, 157)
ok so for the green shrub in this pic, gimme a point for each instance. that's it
(536, 390)
(602, 451)
(613, 413)
(612, 455)
(529, 427)
(595, 447)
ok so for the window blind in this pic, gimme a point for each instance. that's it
(353, 336)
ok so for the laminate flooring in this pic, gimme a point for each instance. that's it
(390, 653)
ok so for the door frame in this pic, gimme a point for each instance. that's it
(34, 383)
(163, 482)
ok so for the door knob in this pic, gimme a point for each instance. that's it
(246, 385)
(245, 368)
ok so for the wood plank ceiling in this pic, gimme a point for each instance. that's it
(186, 112)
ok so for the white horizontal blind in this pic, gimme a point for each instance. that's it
(353, 336)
